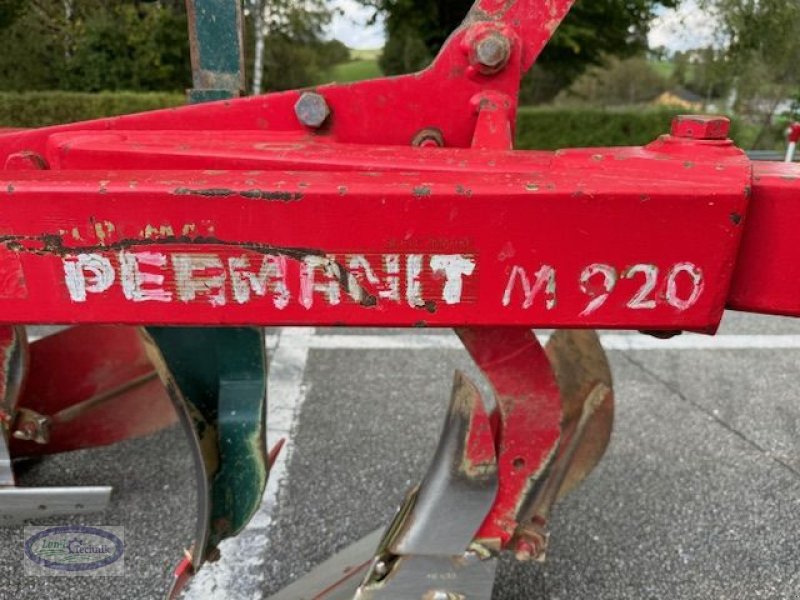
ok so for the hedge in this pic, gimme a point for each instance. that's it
(554, 128)
(537, 128)
(36, 109)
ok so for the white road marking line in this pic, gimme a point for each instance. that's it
(611, 341)
(241, 565)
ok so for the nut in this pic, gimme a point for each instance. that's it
(312, 109)
(428, 138)
(491, 52)
(701, 127)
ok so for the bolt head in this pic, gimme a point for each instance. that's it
(311, 109)
(491, 52)
(701, 127)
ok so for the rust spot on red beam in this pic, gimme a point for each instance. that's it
(421, 191)
(271, 195)
(209, 192)
(254, 194)
(54, 244)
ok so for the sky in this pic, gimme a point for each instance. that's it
(351, 28)
(681, 29)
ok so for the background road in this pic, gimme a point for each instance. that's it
(698, 496)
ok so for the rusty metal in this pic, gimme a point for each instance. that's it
(217, 49)
(30, 426)
(428, 138)
(581, 368)
(701, 127)
(490, 50)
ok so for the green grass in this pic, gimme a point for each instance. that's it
(355, 70)
(366, 54)
(663, 67)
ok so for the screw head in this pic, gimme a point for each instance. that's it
(311, 109)
(492, 52)
(701, 127)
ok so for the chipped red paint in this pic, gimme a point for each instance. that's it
(528, 419)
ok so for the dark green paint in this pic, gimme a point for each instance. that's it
(220, 374)
(215, 36)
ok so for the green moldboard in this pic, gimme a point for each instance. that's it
(220, 374)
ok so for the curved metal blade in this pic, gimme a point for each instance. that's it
(580, 364)
(217, 378)
(460, 485)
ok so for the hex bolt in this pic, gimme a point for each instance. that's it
(491, 52)
(311, 109)
(701, 127)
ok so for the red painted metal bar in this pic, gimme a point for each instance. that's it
(584, 240)
(767, 275)
(613, 238)
(529, 410)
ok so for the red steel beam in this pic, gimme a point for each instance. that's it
(582, 238)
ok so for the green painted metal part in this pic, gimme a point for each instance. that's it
(215, 36)
(218, 377)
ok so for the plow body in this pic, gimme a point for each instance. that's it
(393, 202)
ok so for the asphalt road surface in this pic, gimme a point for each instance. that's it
(698, 496)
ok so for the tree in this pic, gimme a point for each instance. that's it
(10, 10)
(93, 45)
(130, 46)
(593, 30)
(761, 44)
(286, 42)
(628, 81)
(705, 71)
